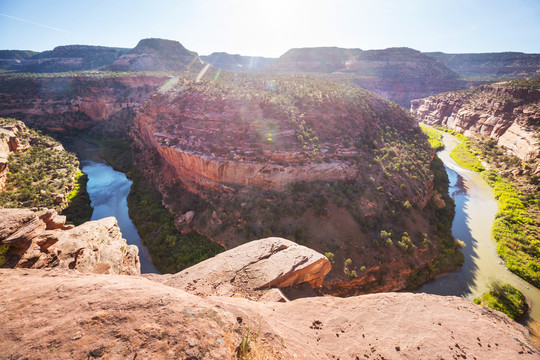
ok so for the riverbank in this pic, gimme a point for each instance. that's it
(476, 208)
(108, 190)
(171, 251)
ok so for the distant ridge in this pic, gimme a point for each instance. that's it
(503, 65)
(238, 63)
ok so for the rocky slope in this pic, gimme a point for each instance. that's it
(66, 315)
(40, 239)
(507, 112)
(491, 66)
(397, 74)
(238, 63)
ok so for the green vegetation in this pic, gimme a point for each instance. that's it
(43, 174)
(462, 153)
(528, 83)
(79, 209)
(434, 137)
(441, 211)
(504, 298)
(171, 251)
(515, 228)
(3, 249)
(515, 243)
(351, 274)
(330, 257)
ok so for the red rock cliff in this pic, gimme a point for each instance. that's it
(510, 114)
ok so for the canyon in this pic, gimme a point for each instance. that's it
(506, 112)
(253, 154)
(292, 148)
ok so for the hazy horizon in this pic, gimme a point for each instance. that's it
(270, 28)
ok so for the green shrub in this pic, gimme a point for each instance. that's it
(504, 298)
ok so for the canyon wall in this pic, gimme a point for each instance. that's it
(508, 113)
(63, 104)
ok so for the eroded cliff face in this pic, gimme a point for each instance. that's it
(508, 113)
(63, 104)
(9, 143)
(41, 239)
(296, 158)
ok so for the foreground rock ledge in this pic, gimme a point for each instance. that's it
(63, 314)
(250, 268)
(40, 239)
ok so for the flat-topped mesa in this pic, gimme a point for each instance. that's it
(507, 112)
(155, 55)
(250, 269)
(42, 240)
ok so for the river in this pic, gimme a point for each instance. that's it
(108, 190)
(475, 212)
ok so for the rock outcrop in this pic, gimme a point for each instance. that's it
(68, 315)
(505, 112)
(249, 269)
(9, 143)
(40, 239)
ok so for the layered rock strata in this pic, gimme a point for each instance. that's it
(9, 143)
(40, 239)
(509, 114)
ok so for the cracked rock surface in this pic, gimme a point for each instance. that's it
(61, 314)
(40, 239)
(249, 269)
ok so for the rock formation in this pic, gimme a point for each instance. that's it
(9, 143)
(40, 239)
(155, 55)
(321, 162)
(66, 315)
(63, 104)
(507, 112)
(249, 269)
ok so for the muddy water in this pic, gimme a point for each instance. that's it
(475, 211)
(108, 190)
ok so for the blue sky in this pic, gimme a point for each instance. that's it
(269, 28)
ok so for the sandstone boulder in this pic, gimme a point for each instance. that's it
(41, 239)
(68, 315)
(247, 269)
